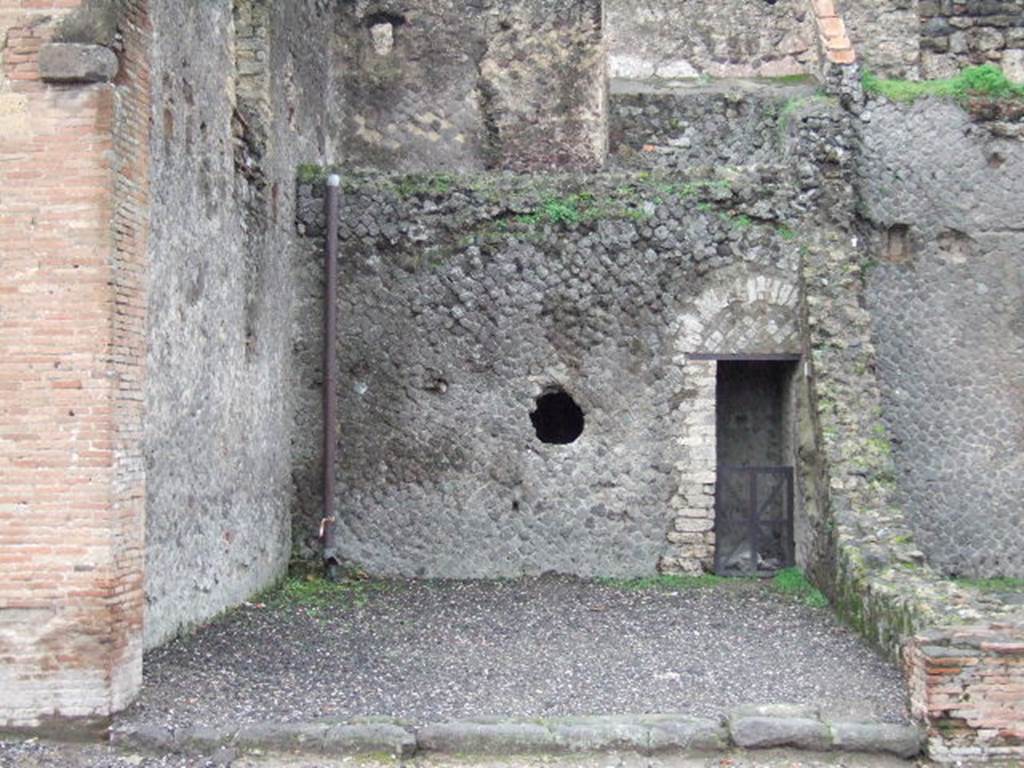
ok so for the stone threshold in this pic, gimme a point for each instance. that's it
(751, 727)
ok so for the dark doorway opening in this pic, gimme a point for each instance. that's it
(755, 447)
(557, 420)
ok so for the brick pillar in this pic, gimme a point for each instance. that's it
(834, 41)
(967, 686)
(692, 535)
(73, 213)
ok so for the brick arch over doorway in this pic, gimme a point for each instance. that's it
(740, 313)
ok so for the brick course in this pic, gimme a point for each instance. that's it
(967, 685)
(73, 183)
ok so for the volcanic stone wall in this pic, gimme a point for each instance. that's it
(514, 84)
(936, 38)
(946, 292)
(234, 79)
(463, 299)
(958, 34)
(654, 39)
(716, 124)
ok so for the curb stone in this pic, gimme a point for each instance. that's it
(904, 741)
(746, 727)
(644, 734)
(769, 732)
(486, 738)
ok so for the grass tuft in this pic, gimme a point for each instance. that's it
(791, 581)
(985, 80)
(1002, 584)
(315, 592)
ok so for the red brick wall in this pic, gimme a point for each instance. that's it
(967, 685)
(73, 208)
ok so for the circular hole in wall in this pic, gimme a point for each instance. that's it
(557, 420)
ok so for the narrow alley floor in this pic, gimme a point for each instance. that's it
(429, 651)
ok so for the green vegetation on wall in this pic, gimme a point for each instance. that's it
(986, 80)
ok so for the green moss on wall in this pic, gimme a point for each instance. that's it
(986, 80)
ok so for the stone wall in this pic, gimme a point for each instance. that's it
(73, 175)
(886, 34)
(955, 35)
(514, 84)
(236, 81)
(462, 299)
(655, 39)
(945, 291)
(936, 38)
(714, 124)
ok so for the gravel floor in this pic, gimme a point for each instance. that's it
(430, 651)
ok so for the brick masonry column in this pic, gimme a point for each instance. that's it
(692, 535)
(835, 43)
(967, 686)
(73, 213)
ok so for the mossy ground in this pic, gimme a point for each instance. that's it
(993, 585)
(315, 592)
(791, 581)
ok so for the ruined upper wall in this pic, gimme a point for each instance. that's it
(730, 38)
(489, 84)
(936, 38)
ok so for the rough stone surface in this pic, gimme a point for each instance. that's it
(76, 63)
(668, 41)
(723, 123)
(885, 34)
(35, 754)
(936, 38)
(956, 35)
(902, 741)
(767, 732)
(946, 294)
(502, 289)
(217, 447)
(496, 736)
(488, 738)
(509, 84)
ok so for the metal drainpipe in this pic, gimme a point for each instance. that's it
(330, 404)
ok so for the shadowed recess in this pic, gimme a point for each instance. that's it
(558, 420)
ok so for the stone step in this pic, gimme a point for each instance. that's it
(753, 727)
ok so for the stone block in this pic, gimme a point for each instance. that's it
(365, 738)
(901, 740)
(769, 732)
(486, 738)
(76, 63)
